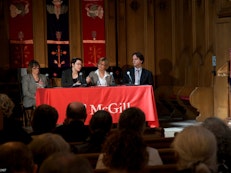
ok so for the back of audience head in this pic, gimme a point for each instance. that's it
(125, 150)
(44, 119)
(65, 162)
(46, 144)
(76, 111)
(101, 121)
(132, 118)
(223, 136)
(16, 157)
(6, 105)
(196, 148)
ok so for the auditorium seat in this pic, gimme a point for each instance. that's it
(167, 155)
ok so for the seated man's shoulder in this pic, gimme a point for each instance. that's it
(146, 70)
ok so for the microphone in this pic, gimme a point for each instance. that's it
(81, 77)
(48, 80)
(130, 78)
(112, 82)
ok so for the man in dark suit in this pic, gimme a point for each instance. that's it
(73, 128)
(138, 75)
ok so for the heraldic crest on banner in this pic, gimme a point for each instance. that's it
(57, 8)
(19, 8)
(94, 10)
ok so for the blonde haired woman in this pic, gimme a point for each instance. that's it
(196, 149)
(100, 77)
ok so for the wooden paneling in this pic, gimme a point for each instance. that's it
(163, 31)
(149, 31)
(110, 28)
(39, 32)
(223, 35)
(134, 28)
(75, 32)
(121, 33)
(225, 8)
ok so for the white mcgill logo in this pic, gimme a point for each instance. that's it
(113, 108)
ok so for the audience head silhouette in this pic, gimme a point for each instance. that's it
(76, 111)
(65, 162)
(223, 135)
(44, 119)
(6, 105)
(125, 150)
(46, 144)
(133, 119)
(196, 148)
(16, 157)
(101, 121)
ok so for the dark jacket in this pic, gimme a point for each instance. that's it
(146, 77)
(67, 80)
(12, 131)
(75, 131)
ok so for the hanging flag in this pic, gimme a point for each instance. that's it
(93, 27)
(20, 33)
(57, 36)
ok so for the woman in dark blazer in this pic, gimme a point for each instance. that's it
(73, 76)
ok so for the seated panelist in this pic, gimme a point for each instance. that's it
(30, 82)
(137, 75)
(100, 77)
(73, 76)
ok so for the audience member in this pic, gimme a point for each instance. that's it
(133, 119)
(100, 77)
(12, 129)
(138, 75)
(196, 149)
(124, 150)
(65, 162)
(15, 157)
(44, 119)
(223, 135)
(42, 146)
(30, 82)
(100, 125)
(73, 76)
(73, 129)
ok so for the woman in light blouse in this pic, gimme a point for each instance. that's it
(100, 77)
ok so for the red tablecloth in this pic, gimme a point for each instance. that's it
(113, 99)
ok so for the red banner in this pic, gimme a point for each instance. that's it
(21, 32)
(93, 26)
(113, 99)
